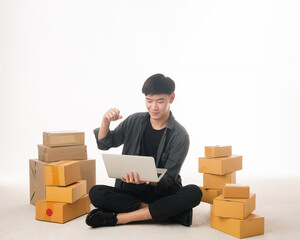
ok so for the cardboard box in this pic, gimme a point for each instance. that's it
(54, 154)
(63, 139)
(37, 180)
(236, 191)
(37, 177)
(220, 166)
(88, 172)
(218, 181)
(68, 194)
(233, 207)
(217, 151)
(61, 212)
(251, 226)
(62, 173)
(208, 195)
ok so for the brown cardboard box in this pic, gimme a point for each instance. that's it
(37, 180)
(218, 181)
(251, 226)
(53, 154)
(217, 151)
(68, 194)
(220, 166)
(37, 177)
(236, 191)
(61, 212)
(88, 172)
(233, 207)
(209, 194)
(63, 139)
(62, 173)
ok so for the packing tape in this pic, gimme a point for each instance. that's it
(54, 167)
(55, 175)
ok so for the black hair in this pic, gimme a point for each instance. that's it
(158, 84)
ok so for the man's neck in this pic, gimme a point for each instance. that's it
(159, 124)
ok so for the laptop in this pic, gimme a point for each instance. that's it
(118, 166)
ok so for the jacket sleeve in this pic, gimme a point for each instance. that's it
(113, 138)
(177, 155)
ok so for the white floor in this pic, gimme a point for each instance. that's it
(278, 200)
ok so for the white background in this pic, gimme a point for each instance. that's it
(236, 65)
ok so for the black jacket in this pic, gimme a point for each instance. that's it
(171, 152)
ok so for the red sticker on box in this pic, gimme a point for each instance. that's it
(49, 212)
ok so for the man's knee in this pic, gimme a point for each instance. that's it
(97, 195)
(195, 193)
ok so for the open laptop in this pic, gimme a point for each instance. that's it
(118, 166)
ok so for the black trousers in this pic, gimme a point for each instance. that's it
(129, 199)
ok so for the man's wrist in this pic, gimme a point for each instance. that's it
(105, 121)
(104, 128)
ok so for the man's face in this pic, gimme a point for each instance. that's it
(158, 105)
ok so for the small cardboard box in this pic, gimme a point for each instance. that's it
(221, 165)
(217, 151)
(217, 181)
(37, 177)
(62, 173)
(68, 194)
(63, 139)
(251, 226)
(61, 212)
(234, 207)
(236, 191)
(208, 195)
(54, 154)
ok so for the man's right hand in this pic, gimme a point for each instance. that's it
(112, 114)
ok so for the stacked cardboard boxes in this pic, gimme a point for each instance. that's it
(219, 167)
(232, 212)
(233, 204)
(66, 193)
(62, 146)
(64, 151)
(37, 177)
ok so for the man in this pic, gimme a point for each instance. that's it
(155, 133)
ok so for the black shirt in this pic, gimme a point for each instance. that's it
(150, 140)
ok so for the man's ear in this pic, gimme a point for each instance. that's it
(172, 97)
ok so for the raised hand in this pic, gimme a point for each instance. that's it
(112, 114)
